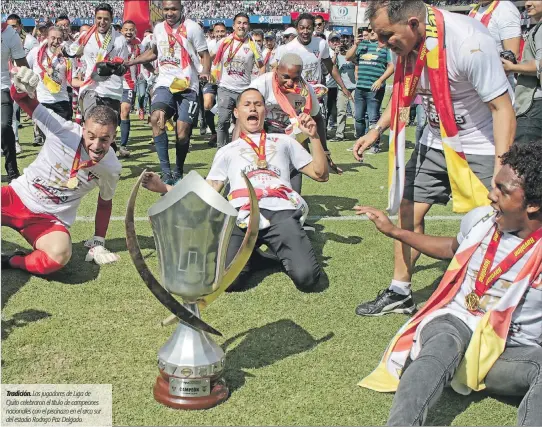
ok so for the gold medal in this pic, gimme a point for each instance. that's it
(261, 163)
(472, 301)
(73, 182)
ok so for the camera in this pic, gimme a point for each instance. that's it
(509, 56)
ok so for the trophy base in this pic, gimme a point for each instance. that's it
(219, 393)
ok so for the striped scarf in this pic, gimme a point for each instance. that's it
(47, 75)
(468, 191)
(229, 41)
(488, 340)
(486, 16)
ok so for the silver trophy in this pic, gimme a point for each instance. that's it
(192, 226)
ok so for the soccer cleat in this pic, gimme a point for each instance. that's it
(387, 301)
(7, 257)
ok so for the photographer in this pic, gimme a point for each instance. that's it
(528, 91)
(104, 51)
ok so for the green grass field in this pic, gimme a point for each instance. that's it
(293, 358)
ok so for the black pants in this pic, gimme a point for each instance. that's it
(287, 239)
(62, 108)
(331, 104)
(8, 137)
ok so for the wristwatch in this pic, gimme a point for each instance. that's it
(379, 128)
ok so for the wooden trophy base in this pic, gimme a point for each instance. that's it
(219, 393)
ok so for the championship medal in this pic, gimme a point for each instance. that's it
(261, 163)
(472, 302)
(73, 182)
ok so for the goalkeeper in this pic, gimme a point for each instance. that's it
(42, 203)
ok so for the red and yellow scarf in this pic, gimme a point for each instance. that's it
(46, 74)
(229, 41)
(489, 338)
(486, 16)
(468, 191)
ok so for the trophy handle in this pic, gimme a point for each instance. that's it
(244, 252)
(184, 315)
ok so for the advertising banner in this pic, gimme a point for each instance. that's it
(343, 13)
(261, 19)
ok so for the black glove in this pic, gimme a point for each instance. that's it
(105, 69)
(120, 69)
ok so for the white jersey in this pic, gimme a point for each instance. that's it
(282, 154)
(60, 67)
(212, 47)
(271, 59)
(169, 65)
(311, 54)
(476, 77)
(236, 75)
(112, 86)
(526, 326)
(146, 43)
(12, 48)
(505, 23)
(130, 78)
(276, 118)
(30, 42)
(42, 186)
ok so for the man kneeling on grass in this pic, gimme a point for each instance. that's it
(42, 203)
(267, 159)
(482, 327)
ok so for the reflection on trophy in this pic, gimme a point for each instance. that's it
(192, 226)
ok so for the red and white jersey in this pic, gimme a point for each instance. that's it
(43, 185)
(61, 74)
(134, 50)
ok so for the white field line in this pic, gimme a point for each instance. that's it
(310, 218)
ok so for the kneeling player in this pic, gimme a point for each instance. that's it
(42, 203)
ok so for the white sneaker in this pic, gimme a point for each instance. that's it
(18, 149)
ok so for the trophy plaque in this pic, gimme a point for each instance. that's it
(192, 226)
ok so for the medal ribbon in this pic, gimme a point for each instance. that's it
(486, 16)
(77, 164)
(232, 52)
(267, 57)
(259, 150)
(486, 278)
(176, 37)
(52, 85)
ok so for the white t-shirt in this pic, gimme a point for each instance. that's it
(112, 86)
(236, 75)
(30, 42)
(42, 186)
(476, 77)
(169, 66)
(282, 154)
(271, 58)
(505, 23)
(526, 326)
(212, 47)
(276, 118)
(311, 54)
(59, 65)
(12, 48)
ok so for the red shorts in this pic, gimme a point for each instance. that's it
(31, 225)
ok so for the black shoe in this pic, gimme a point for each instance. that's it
(7, 257)
(387, 301)
(37, 143)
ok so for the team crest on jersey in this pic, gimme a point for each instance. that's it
(246, 49)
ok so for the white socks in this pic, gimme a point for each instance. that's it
(399, 287)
